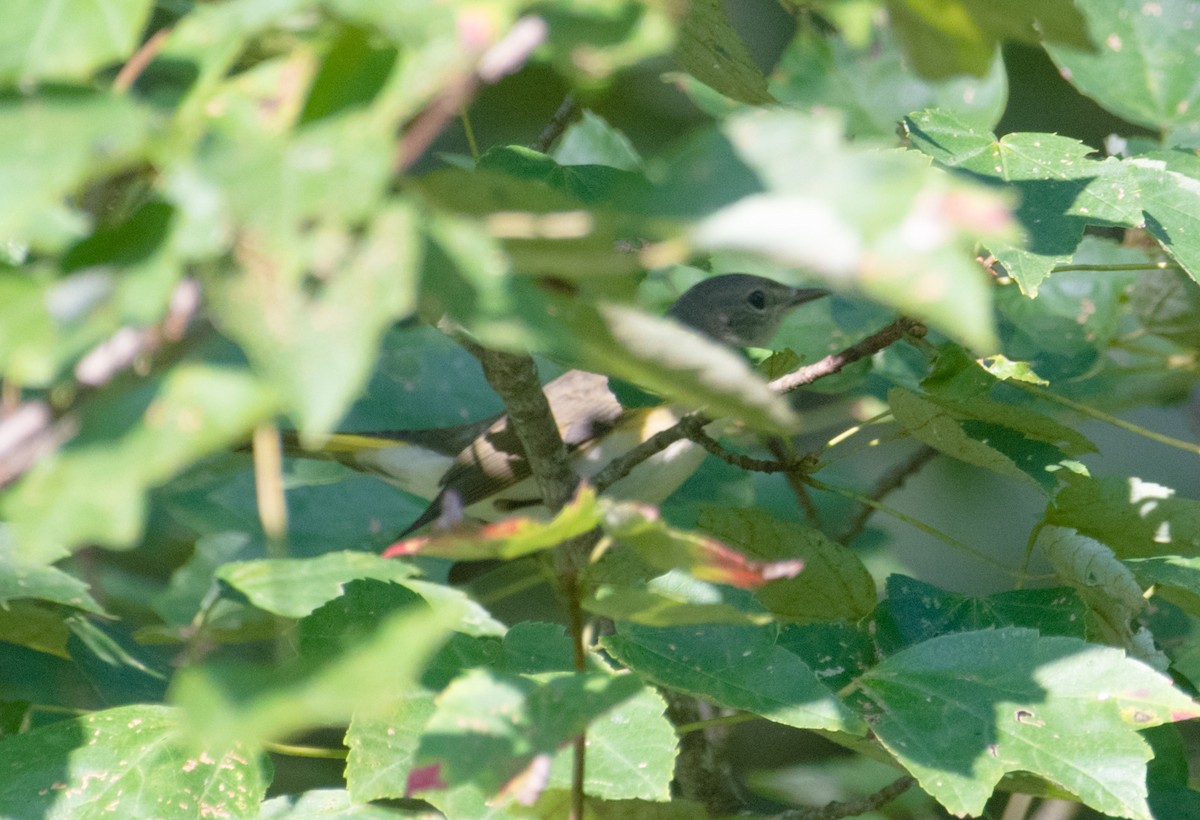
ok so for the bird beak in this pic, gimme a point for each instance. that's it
(802, 295)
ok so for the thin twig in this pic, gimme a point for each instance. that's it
(890, 481)
(853, 808)
(620, 467)
(834, 363)
(567, 111)
(141, 58)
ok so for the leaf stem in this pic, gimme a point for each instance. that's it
(907, 519)
(469, 132)
(1100, 415)
(723, 720)
(1120, 267)
(315, 752)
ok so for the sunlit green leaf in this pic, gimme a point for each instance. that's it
(149, 769)
(1053, 706)
(67, 40)
(1142, 65)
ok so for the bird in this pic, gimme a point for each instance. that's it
(480, 468)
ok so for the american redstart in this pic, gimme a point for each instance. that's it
(482, 466)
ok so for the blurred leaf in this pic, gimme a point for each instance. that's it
(55, 143)
(736, 667)
(587, 42)
(660, 355)
(630, 753)
(490, 729)
(1061, 189)
(382, 749)
(68, 40)
(149, 770)
(1136, 518)
(834, 583)
(321, 803)
(507, 539)
(1005, 369)
(711, 50)
(24, 623)
(1142, 67)
(134, 440)
(1011, 700)
(255, 703)
(915, 611)
(961, 36)
(880, 221)
(875, 84)
(295, 587)
(50, 584)
(593, 141)
(703, 557)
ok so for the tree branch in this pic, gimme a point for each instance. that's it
(853, 808)
(689, 425)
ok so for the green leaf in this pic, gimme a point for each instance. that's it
(999, 448)
(295, 587)
(507, 539)
(1061, 189)
(135, 440)
(1168, 304)
(383, 747)
(367, 279)
(1104, 583)
(630, 752)
(788, 187)
(915, 611)
(149, 770)
(1010, 700)
(1077, 314)
(834, 583)
(1142, 65)
(661, 355)
(618, 587)
(358, 671)
(50, 584)
(1170, 188)
(593, 141)
(68, 40)
(1177, 579)
(321, 803)
(56, 143)
(588, 42)
(945, 38)
(707, 559)
(737, 667)
(1138, 519)
(489, 729)
(711, 50)
(836, 651)
(875, 84)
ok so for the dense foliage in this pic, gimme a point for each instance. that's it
(223, 219)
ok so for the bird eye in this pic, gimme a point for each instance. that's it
(757, 299)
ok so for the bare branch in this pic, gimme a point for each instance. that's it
(853, 808)
(620, 467)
